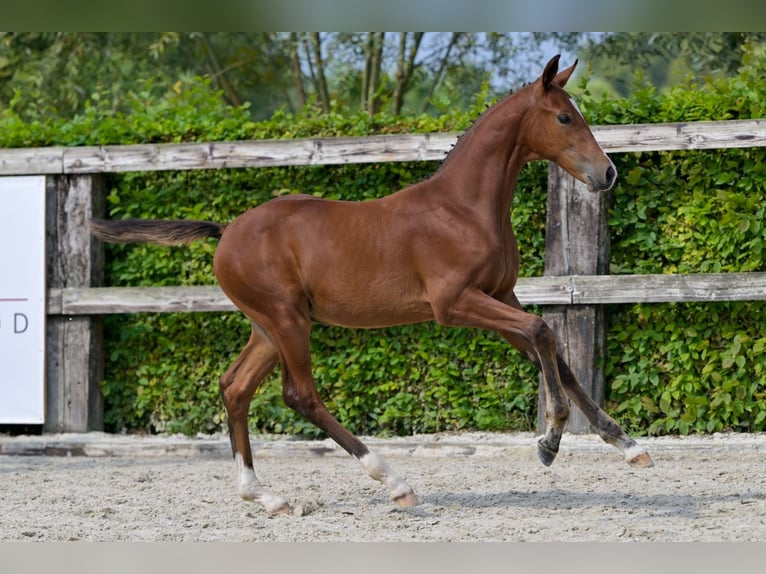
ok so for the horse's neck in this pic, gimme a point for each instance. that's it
(482, 170)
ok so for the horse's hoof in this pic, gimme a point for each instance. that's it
(274, 504)
(545, 454)
(642, 460)
(406, 500)
(283, 508)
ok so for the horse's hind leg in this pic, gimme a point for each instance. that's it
(300, 394)
(238, 384)
(606, 427)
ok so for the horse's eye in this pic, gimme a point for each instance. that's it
(564, 119)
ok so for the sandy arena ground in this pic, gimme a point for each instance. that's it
(472, 487)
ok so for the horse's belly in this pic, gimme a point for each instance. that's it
(370, 307)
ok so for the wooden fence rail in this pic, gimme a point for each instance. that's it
(550, 290)
(574, 290)
(345, 150)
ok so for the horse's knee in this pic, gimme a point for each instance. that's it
(536, 340)
(290, 397)
(300, 397)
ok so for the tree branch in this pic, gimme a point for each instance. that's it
(217, 72)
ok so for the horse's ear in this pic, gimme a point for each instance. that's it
(563, 76)
(551, 69)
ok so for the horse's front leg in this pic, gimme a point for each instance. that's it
(606, 427)
(530, 335)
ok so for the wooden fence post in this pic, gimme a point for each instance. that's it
(74, 345)
(577, 243)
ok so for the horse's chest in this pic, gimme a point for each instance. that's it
(501, 267)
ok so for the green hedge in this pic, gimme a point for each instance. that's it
(162, 370)
(670, 368)
(682, 368)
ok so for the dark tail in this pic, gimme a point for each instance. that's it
(158, 231)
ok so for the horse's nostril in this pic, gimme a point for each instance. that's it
(611, 174)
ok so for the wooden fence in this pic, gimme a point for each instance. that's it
(574, 290)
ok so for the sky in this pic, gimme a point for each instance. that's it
(377, 15)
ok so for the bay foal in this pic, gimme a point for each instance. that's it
(442, 249)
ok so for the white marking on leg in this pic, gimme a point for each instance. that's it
(379, 469)
(249, 488)
(634, 451)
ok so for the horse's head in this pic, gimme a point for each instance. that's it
(556, 130)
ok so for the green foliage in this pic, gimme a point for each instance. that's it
(666, 58)
(56, 73)
(162, 369)
(671, 368)
(685, 368)
(392, 381)
(192, 111)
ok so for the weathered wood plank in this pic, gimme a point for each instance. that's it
(576, 242)
(332, 151)
(108, 300)
(268, 153)
(544, 290)
(549, 290)
(682, 136)
(329, 151)
(74, 345)
(202, 298)
(702, 287)
(265, 153)
(144, 157)
(114, 300)
(32, 161)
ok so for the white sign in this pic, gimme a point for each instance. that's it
(22, 300)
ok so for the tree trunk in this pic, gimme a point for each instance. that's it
(218, 73)
(405, 68)
(366, 71)
(296, 64)
(376, 64)
(324, 94)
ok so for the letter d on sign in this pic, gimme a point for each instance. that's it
(20, 323)
(22, 300)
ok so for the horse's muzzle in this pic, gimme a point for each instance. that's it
(599, 186)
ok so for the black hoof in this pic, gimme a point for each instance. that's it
(545, 454)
